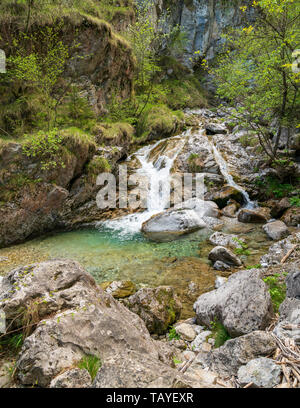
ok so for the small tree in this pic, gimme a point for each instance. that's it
(255, 71)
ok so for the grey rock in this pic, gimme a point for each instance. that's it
(201, 207)
(288, 326)
(221, 266)
(276, 230)
(259, 215)
(230, 240)
(74, 378)
(186, 331)
(157, 307)
(200, 339)
(220, 253)
(287, 307)
(278, 250)
(293, 283)
(227, 359)
(171, 224)
(242, 304)
(262, 372)
(220, 280)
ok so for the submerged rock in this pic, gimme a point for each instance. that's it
(227, 359)
(276, 230)
(220, 253)
(119, 289)
(169, 225)
(242, 304)
(157, 307)
(262, 372)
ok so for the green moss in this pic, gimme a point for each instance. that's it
(219, 333)
(98, 165)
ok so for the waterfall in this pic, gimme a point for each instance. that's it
(156, 163)
(228, 177)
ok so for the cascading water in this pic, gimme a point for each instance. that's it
(228, 177)
(156, 163)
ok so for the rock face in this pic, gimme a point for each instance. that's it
(74, 318)
(227, 359)
(292, 217)
(242, 304)
(278, 250)
(220, 253)
(170, 225)
(74, 378)
(276, 230)
(259, 215)
(262, 372)
(158, 307)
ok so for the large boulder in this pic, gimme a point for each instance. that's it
(169, 225)
(158, 307)
(220, 253)
(292, 217)
(201, 207)
(71, 317)
(276, 230)
(281, 248)
(223, 195)
(227, 359)
(259, 215)
(242, 304)
(262, 372)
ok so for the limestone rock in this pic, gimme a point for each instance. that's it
(200, 339)
(292, 217)
(293, 282)
(74, 378)
(169, 225)
(242, 304)
(276, 230)
(262, 372)
(221, 266)
(158, 307)
(259, 215)
(185, 331)
(220, 280)
(278, 250)
(201, 207)
(230, 240)
(227, 359)
(220, 253)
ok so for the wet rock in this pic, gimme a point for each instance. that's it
(276, 230)
(220, 280)
(170, 225)
(227, 359)
(185, 331)
(262, 372)
(220, 253)
(158, 307)
(223, 195)
(201, 207)
(242, 304)
(259, 215)
(292, 217)
(74, 378)
(231, 209)
(119, 289)
(222, 239)
(278, 250)
(221, 266)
